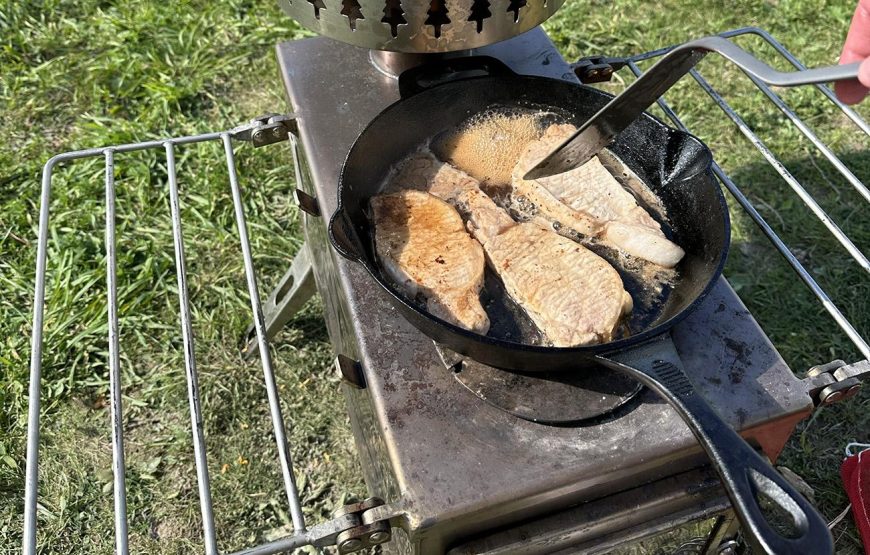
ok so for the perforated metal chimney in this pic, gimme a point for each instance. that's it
(420, 26)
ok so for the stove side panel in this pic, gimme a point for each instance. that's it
(372, 450)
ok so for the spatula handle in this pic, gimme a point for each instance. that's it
(602, 128)
(755, 67)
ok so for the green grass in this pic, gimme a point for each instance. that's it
(85, 73)
(81, 74)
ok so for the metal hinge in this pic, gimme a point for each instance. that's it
(356, 526)
(835, 381)
(597, 69)
(266, 129)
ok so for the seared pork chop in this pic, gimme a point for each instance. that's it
(422, 244)
(571, 294)
(590, 201)
(423, 172)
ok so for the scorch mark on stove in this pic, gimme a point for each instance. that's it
(742, 359)
(742, 416)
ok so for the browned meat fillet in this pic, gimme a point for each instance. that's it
(423, 245)
(571, 294)
(423, 172)
(590, 201)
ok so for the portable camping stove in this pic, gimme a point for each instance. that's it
(459, 457)
(460, 467)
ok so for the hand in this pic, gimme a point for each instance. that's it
(857, 49)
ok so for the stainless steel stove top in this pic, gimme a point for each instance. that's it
(460, 465)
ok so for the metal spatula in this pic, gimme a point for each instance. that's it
(619, 113)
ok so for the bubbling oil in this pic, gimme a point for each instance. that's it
(487, 147)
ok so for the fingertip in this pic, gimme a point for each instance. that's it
(850, 92)
(847, 56)
(864, 73)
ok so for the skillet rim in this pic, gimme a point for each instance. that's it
(584, 350)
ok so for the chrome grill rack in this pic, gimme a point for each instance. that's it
(262, 131)
(368, 523)
(596, 65)
(826, 382)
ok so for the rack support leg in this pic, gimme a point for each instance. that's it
(289, 296)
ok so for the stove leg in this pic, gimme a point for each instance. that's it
(288, 298)
(723, 538)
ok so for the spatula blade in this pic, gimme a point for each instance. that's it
(573, 153)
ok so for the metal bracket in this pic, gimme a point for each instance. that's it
(723, 539)
(597, 69)
(835, 381)
(266, 129)
(289, 296)
(351, 371)
(355, 527)
(306, 202)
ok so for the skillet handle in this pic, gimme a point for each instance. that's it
(744, 474)
(344, 237)
(425, 76)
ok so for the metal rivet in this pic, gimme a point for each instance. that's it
(379, 537)
(350, 545)
(823, 368)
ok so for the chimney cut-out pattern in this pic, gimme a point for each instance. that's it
(437, 16)
(351, 10)
(515, 6)
(479, 12)
(394, 16)
(318, 5)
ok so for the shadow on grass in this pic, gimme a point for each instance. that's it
(308, 325)
(794, 319)
(789, 312)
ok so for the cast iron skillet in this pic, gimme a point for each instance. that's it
(676, 166)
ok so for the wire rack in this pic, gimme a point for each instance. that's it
(366, 523)
(266, 130)
(845, 325)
